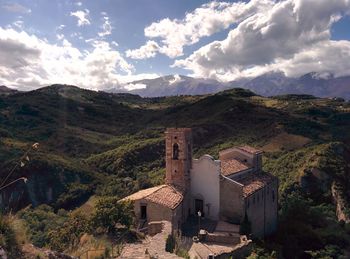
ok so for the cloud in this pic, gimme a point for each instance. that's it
(204, 21)
(131, 86)
(293, 36)
(60, 27)
(175, 80)
(16, 8)
(82, 17)
(149, 50)
(28, 62)
(106, 27)
(18, 24)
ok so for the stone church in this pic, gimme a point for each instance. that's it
(228, 189)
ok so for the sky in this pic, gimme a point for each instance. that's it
(102, 44)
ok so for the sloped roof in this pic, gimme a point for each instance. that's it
(255, 182)
(250, 149)
(143, 193)
(165, 195)
(232, 166)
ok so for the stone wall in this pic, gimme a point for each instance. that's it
(157, 212)
(231, 201)
(178, 170)
(222, 238)
(261, 208)
(242, 250)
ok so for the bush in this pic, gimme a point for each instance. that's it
(170, 244)
(7, 238)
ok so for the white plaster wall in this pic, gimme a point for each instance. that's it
(205, 183)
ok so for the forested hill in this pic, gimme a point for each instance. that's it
(113, 144)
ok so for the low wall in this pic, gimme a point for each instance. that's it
(242, 250)
(155, 227)
(220, 238)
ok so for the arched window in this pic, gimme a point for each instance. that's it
(175, 151)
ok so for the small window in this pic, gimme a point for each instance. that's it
(254, 200)
(248, 204)
(175, 151)
(273, 196)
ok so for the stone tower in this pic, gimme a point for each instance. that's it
(178, 157)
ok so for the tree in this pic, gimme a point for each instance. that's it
(109, 211)
(69, 234)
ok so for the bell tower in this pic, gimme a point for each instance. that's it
(178, 142)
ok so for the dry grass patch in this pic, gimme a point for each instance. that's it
(285, 141)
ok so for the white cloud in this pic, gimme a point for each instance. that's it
(61, 27)
(79, 3)
(126, 79)
(202, 22)
(82, 16)
(18, 24)
(16, 8)
(28, 62)
(106, 27)
(293, 36)
(175, 80)
(131, 86)
(148, 50)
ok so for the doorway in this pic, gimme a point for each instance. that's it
(143, 212)
(198, 206)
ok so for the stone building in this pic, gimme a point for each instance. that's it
(229, 189)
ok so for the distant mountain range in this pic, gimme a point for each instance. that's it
(270, 84)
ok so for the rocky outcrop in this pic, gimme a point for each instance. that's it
(340, 204)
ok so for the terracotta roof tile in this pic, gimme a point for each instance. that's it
(255, 182)
(165, 195)
(232, 166)
(142, 193)
(250, 149)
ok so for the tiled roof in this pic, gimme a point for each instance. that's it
(255, 182)
(250, 149)
(165, 195)
(232, 166)
(143, 193)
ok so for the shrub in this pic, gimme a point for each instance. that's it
(170, 244)
(7, 238)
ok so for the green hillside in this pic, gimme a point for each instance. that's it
(96, 143)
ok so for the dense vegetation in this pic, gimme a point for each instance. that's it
(108, 145)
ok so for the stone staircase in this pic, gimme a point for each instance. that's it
(150, 247)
